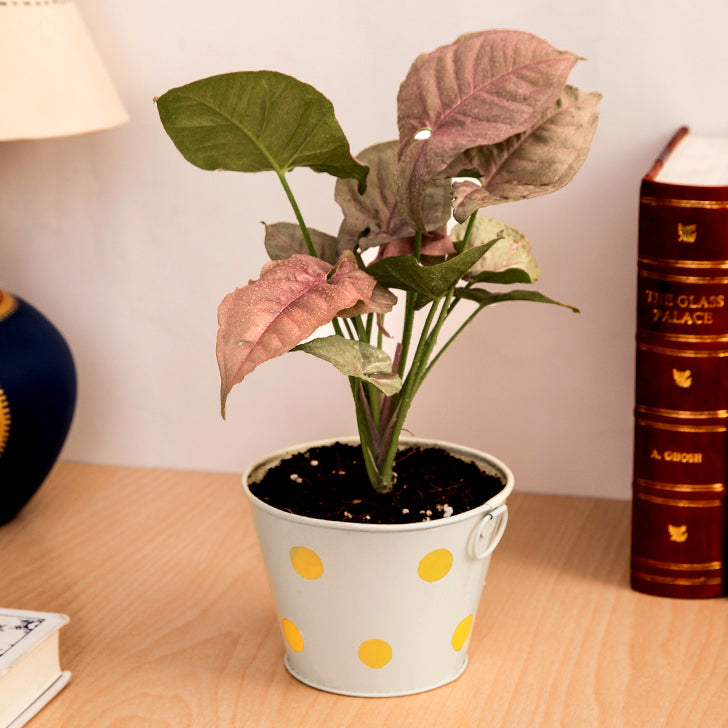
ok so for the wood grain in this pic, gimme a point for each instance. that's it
(172, 621)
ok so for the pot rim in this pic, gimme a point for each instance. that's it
(457, 450)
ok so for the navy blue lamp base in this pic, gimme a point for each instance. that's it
(37, 401)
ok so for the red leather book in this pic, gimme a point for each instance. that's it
(681, 389)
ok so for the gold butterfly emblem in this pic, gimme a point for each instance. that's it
(683, 379)
(686, 233)
(679, 534)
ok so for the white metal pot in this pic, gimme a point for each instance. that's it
(378, 610)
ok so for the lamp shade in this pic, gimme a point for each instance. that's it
(52, 80)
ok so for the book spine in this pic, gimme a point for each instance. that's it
(681, 392)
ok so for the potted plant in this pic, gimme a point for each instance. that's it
(485, 120)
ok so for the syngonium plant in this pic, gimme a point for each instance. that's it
(485, 120)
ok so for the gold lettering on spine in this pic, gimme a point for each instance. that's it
(691, 458)
(682, 309)
(679, 534)
(4, 421)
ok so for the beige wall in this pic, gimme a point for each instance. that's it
(129, 249)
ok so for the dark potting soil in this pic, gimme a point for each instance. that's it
(330, 482)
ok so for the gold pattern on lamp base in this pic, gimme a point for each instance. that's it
(8, 305)
(4, 421)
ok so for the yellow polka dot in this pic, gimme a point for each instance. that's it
(292, 635)
(375, 653)
(460, 635)
(435, 565)
(306, 562)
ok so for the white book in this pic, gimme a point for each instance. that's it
(696, 160)
(30, 670)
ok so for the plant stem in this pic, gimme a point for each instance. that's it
(407, 326)
(404, 398)
(370, 323)
(297, 212)
(418, 245)
(362, 333)
(349, 330)
(409, 316)
(468, 230)
(367, 444)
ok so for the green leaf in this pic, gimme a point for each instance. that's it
(502, 277)
(485, 298)
(356, 359)
(253, 121)
(430, 282)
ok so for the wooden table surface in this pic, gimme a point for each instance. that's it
(172, 621)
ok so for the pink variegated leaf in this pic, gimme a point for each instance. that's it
(467, 197)
(289, 302)
(372, 218)
(436, 245)
(538, 161)
(479, 90)
(382, 301)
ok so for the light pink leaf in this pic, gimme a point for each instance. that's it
(291, 299)
(467, 197)
(382, 301)
(372, 218)
(479, 90)
(437, 245)
(540, 160)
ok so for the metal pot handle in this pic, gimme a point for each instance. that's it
(488, 532)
